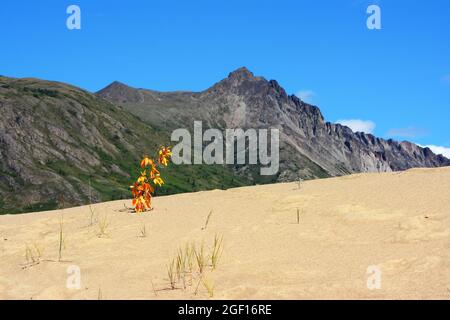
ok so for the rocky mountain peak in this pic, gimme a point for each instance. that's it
(241, 74)
(117, 85)
(240, 82)
(120, 93)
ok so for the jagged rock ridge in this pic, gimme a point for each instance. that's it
(310, 146)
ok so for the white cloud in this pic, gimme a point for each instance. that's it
(439, 150)
(410, 132)
(306, 95)
(357, 125)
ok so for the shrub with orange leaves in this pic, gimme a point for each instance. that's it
(149, 178)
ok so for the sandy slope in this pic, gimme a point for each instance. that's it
(399, 222)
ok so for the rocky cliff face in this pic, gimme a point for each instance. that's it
(310, 146)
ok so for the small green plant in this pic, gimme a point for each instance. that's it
(207, 220)
(29, 255)
(180, 263)
(143, 231)
(103, 225)
(62, 239)
(39, 250)
(91, 210)
(171, 273)
(209, 286)
(216, 251)
(198, 285)
(201, 258)
(92, 215)
(33, 253)
(190, 254)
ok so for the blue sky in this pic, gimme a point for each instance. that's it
(395, 80)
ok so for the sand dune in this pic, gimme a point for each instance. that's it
(398, 223)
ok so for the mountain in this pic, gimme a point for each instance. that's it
(63, 146)
(310, 147)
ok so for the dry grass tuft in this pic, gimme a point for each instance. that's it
(207, 220)
(91, 215)
(189, 253)
(62, 238)
(103, 225)
(192, 262)
(201, 258)
(216, 251)
(209, 286)
(171, 273)
(33, 254)
(143, 231)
